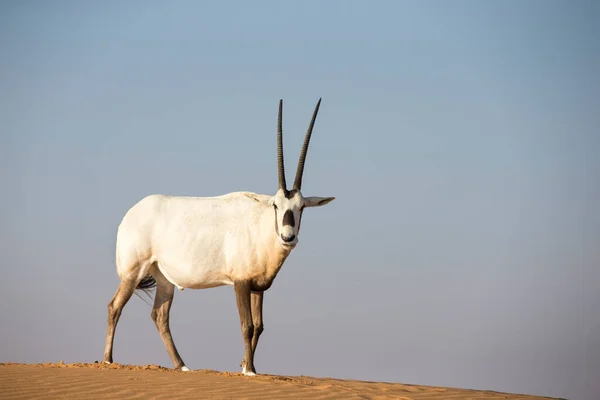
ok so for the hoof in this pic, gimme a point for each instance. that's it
(185, 369)
(247, 373)
(107, 362)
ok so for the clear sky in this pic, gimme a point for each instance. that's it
(460, 140)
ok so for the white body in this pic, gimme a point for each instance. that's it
(202, 242)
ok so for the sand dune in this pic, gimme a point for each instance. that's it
(98, 381)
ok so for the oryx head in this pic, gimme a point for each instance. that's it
(288, 205)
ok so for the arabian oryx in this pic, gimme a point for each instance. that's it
(240, 239)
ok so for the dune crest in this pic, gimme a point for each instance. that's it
(102, 381)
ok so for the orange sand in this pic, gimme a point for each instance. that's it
(99, 381)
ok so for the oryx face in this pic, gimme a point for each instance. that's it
(288, 205)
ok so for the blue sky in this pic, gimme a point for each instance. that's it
(460, 140)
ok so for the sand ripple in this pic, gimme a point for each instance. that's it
(117, 381)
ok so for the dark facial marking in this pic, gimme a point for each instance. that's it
(288, 218)
(300, 218)
(289, 194)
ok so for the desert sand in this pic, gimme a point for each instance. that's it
(99, 381)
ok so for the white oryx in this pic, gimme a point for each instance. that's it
(240, 239)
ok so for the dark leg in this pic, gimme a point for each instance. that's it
(256, 300)
(160, 316)
(242, 295)
(115, 307)
(257, 317)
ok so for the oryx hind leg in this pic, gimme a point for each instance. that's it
(160, 315)
(115, 307)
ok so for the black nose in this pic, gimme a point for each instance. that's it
(288, 239)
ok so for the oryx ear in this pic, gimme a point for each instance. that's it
(261, 198)
(317, 201)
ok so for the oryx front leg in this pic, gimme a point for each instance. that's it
(160, 316)
(242, 295)
(256, 300)
(115, 307)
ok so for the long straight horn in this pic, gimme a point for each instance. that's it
(280, 166)
(300, 170)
